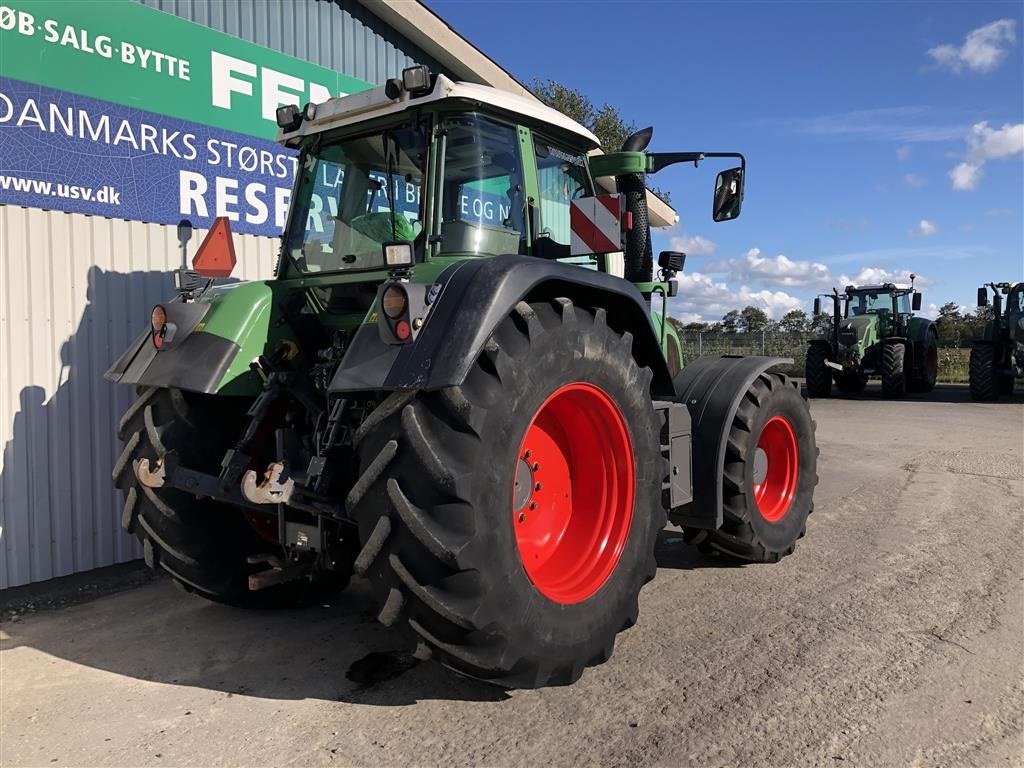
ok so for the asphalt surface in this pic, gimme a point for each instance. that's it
(894, 636)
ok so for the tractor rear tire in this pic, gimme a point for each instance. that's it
(894, 377)
(510, 522)
(926, 369)
(983, 374)
(203, 544)
(816, 373)
(771, 463)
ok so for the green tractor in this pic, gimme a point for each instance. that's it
(454, 387)
(997, 358)
(874, 333)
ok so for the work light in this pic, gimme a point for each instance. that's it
(288, 117)
(398, 254)
(416, 79)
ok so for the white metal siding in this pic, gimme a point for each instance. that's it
(74, 291)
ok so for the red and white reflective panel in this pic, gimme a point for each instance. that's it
(595, 224)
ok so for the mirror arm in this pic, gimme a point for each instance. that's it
(658, 160)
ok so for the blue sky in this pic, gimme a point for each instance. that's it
(881, 138)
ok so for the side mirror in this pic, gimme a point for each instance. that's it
(728, 195)
(983, 296)
(916, 303)
(817, 306)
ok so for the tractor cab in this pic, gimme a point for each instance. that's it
(892, 306)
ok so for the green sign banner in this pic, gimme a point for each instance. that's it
(126, 53)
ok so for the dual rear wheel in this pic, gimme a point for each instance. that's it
(510, 523)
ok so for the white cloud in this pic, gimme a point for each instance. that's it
(924, 228)
(931, 312)
(983, 50)
(701, 298)
(903, 153)
(693, 245)
(984, 144)
(998, 212)
(878, 275)
(965, 176)
(777, 271)
(914, 180)
(907, 124)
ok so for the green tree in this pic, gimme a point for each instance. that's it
(732, 321)
(605, 122)
(754, 319)
(794, 321)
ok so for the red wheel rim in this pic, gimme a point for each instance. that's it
(776, 468)
(572, 497)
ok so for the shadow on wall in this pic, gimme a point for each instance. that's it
(58, 511)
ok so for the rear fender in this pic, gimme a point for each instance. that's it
(712, 388)
(475, 296)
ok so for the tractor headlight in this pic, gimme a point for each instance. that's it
(398, 254)
(289, 118)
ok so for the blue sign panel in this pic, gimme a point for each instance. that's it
(67, 152)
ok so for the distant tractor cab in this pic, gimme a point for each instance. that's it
(874, 333)
(997, 358)
(459, 384)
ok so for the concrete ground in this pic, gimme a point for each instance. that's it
(894, 636)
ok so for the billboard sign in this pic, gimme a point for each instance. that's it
(116, 109)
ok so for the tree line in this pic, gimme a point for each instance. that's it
(955, 326)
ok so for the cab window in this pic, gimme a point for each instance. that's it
(482, 197)
(561, 178)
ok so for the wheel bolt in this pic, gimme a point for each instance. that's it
(522, 516)
(536, 467)
(533, 505)
(527, 455)
(537, 487)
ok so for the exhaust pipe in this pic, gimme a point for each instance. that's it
(639, 257)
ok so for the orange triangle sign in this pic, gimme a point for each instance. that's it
(216, 255)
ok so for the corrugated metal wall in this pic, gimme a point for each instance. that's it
(74, 291)
(337, 34)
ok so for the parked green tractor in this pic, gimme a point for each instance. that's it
(874, 333)
(997, 358)
(455, 385)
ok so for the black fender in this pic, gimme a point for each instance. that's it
(475, 296)
(711, 388)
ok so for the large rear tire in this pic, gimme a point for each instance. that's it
(894, 377)
(510, 522)
(816, 373)
(983, 374)
(770, 474)
(926, 368)
(203, 544)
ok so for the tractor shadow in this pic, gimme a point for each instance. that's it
(943, 393)
(335, 651)
(675, 554)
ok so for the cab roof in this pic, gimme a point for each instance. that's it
(374, 103)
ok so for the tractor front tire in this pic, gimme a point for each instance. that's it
(770, 473)
(894, 377)
(816, 373)
(982, 373)
(510, 522)
(204, 545)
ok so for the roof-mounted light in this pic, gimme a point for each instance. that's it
(289, 118)
(416, 80)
